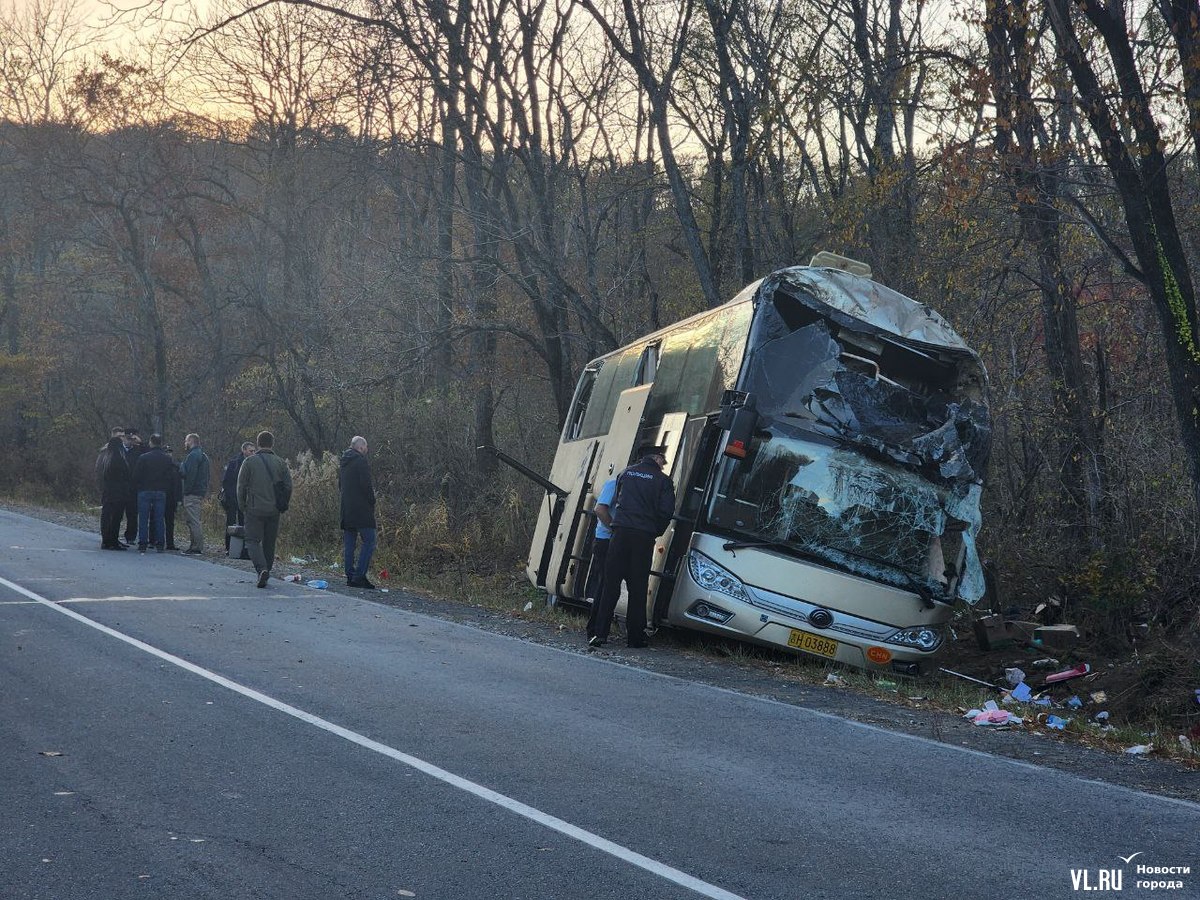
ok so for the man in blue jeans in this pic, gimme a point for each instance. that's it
(358, 512)
(594, 586)
(152, 476)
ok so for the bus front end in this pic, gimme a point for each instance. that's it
(842, 520)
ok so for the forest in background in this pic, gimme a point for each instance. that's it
(417, 220)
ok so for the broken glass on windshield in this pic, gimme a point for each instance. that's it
(879, 521)
(915, 406)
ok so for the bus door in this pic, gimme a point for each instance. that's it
(594, 464)
(566, 488)
(622, 433)
(670, 435)
(691, 473)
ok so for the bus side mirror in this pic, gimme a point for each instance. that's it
(740, 418)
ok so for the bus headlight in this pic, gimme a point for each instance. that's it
(923, 637)
(712, 577)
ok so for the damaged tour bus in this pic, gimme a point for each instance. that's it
(827, 437)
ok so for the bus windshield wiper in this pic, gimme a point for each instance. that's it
(743, 545)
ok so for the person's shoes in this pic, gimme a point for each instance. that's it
(193, 552)
(263, 576)
(113, 547)
(123, 545)
(158, 549)
(364, 582)
(142, 549)
(594, 642)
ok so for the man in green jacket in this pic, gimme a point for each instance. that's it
(195, 469)
(260, 502)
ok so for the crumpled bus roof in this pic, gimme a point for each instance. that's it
(865, 300)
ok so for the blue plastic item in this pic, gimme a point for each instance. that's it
(1075, 703)
(1056, 723)
(318, 584)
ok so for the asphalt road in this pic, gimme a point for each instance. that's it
(169, 731)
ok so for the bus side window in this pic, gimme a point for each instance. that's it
(647, 369)
(603, 400)
(665, 395)
(583, 394)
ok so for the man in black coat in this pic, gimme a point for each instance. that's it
(154, 473)
(115, 480)
(133, 449)
(228, 495)
(358, 512)
(642, 510)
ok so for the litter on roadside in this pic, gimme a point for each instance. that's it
(1068, 674)
(968, 678)
(992, 714)
(1075, 703)
(834, 678)
(318, 584)
(1056, 723)
(1186, 743)
(1058, 637)
(1099, 697)
(1014, 676)
(1139, 750)
(1044, 663)
(1022, 692)
(1101, 717)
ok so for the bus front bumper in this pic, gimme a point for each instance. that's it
(791, 623)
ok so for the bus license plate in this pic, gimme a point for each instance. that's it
(813, 643)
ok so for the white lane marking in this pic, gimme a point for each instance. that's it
(122, 599)
(56, 549)
(654, 867)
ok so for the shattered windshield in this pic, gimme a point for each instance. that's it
(871, 443)
(872, 519)
(895, 400)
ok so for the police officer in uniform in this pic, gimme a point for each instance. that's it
(642, 510)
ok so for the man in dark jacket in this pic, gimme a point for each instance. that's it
(115, 480)
(195, 468)
(261, 503)
(153, 474)
(358, 512)
(233, 512)
(642, 510)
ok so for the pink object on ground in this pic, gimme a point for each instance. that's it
(1068, 674)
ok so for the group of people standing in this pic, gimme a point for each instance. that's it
(144, 485)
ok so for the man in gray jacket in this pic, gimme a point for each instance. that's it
(261, 502)
(195, 468)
